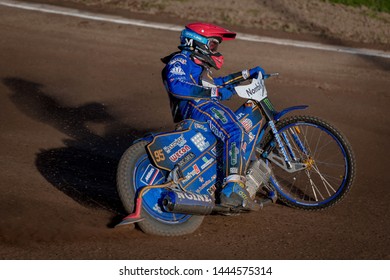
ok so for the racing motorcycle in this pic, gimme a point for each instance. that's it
(170, 181)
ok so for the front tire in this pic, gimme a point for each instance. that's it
(131, 168)
(328, 156)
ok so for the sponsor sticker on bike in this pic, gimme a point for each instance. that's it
(180, 141)
(199, 141)
(180, 153)
(193, 196)
(195, 171)
(206, 184)
(149, 175)
(207, 162)
(187, 158)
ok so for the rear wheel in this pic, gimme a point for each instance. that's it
(330, 163)
(135, 171)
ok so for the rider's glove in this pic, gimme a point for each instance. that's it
(225, 93)
(253, 73)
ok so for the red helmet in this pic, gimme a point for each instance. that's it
(203, 39)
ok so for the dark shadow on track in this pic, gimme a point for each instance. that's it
(85, 167)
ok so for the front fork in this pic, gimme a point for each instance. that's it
(280, 144)
(288, 159)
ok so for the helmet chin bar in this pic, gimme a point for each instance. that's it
(218, 60)
(211, 60)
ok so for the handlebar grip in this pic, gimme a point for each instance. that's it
(266, 76)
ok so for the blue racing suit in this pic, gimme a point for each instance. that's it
(194, 94)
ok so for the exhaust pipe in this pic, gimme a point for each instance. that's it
(182, 202)
(176, 201)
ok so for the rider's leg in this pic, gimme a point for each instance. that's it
(234, 193)
(226, 127)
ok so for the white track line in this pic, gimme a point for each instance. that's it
(246, 37)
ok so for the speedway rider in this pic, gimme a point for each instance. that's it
(194, 94)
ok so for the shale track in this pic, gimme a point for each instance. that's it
(75, 93)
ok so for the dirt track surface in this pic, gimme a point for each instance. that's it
(75, 93)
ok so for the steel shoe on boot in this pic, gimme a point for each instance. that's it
(235, 195)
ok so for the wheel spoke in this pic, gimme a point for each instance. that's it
(327, 158)
(324, 181)
(314, 187)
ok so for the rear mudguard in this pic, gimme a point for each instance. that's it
(280, 114)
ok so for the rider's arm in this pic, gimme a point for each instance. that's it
(183, 89)
(181, 81)
(238, 77)
(232, 78)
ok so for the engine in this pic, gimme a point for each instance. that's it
(258, 174)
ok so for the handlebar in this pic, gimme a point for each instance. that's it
(266, 76)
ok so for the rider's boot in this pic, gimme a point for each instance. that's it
(234, 195)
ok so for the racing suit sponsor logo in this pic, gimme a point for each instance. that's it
(180, 141)
(179, 60)
(233, 153)
(251, 137)
(180, 153)
(219, 114)
(214, 92)
(216, 131)
(233, 170)
(177, 70)
(243, 147)
(247, 124)
(240, 115)
(199, 141)
(245, 74)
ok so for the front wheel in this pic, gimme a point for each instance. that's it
(327, 155)
(135, 171)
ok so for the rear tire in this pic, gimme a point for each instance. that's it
(164, 224)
